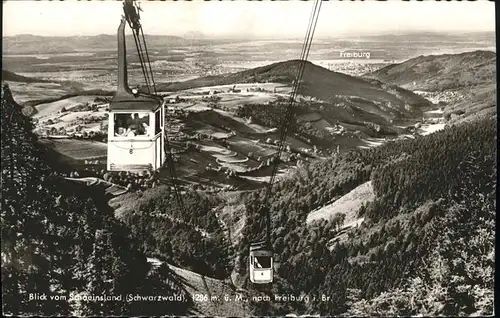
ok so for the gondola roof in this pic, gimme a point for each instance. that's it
(137, 102)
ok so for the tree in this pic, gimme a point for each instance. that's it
(27, 204)
(99, 276)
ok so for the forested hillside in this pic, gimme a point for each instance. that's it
(61, 240)
(425, 244)
(465, 82)
(441, 72)
(428, 237)
(190, 238)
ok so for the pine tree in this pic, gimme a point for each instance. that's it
(26, 208)
(97, 281)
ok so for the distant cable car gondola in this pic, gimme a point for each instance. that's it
(261, 263)
(136, 133)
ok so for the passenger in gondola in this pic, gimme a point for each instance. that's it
(120, 129)
(257, 264)
(136, 126)
(131, 132)
(145, 127)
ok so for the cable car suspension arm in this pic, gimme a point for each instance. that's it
(133, 18)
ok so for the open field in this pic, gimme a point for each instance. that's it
(348, 204)
(109, 188)
(372, 142)
(31, 91)
(431, 128)
(243, 145)
(53, 108)
(257, 129)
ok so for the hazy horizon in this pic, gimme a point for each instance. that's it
(249, 19)
(257, 37)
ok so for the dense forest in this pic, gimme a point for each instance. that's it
(190, 238)
(61, 244)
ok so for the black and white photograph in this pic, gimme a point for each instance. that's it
(248, 158)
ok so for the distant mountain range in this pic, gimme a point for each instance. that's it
(194, 35)
(428, 36)
(35, 44)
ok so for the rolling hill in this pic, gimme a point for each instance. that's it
(13, 77)
(440, 72)
(367, 107)
(467, 81)
(317, 82)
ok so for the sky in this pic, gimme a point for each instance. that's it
(242, 18)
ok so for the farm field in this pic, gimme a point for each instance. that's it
(52, 109)
(77, 149)
(256, 147)
(32, 91)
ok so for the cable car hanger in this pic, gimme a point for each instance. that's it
(132, 15)
(263, 249)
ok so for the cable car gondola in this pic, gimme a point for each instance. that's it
(136, 136)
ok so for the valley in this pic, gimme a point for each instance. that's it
(228, 133)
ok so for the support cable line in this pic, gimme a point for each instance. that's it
(144, 72)
(289, 112)
(132, 16)
(146, 49)
(173, 176)
(261, 253)
(149, 63)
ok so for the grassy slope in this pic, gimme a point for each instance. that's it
(196, 284)
(34, 44)
(73, 89)
(77, 149)
(348, 204)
